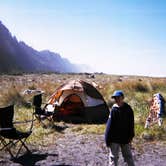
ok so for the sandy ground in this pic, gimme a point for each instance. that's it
(71, 149)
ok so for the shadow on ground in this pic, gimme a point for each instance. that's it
(29, 159)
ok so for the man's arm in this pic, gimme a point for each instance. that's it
(132, 131)
(108, 129)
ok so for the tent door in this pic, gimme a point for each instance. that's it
(72, 105)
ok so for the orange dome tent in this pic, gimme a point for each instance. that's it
(80, 101)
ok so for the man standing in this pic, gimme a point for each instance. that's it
(120, 130)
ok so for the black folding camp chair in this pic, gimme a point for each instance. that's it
(40, 112)
(37, 102)
(11, 139)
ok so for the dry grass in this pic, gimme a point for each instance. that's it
(138, 91)
(88, 129)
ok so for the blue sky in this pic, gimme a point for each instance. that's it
(112, 36)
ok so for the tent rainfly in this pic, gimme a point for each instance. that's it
(78, 101)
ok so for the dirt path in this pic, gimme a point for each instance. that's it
(71, 149)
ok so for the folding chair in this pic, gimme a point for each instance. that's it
(37, 102)
(41, 114)
(11, 138)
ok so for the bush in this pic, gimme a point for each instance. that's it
(12, 96)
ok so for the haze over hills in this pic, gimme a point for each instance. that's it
(17, 57)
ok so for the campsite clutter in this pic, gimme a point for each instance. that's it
(76, 101)
(157, 110)
(11, 138)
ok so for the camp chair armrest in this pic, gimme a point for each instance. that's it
(9, 135)
(4, 129)
(26, 121)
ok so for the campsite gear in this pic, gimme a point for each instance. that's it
(10, 137)
(40, 113)
(157, 110)
(78, 101)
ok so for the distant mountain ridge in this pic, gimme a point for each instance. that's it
(18, 57)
